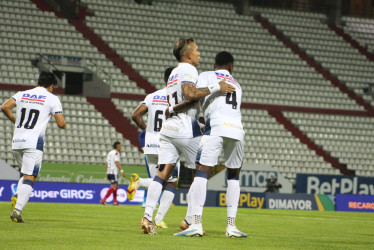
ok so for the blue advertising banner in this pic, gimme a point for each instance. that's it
(69, 192)
(354, 203)
(291, 201)
(334, 184)
(180, 198)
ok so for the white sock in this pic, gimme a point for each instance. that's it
(23, 196)
(20, 182)
(232, 200)
(154, 192)
(189, 209)
(198, 196)
(165, 203)
(145, 182)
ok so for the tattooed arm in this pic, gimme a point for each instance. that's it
(190, 92)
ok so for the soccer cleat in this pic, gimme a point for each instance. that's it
(115, 204)
(14, 201)
(16, 216)
(162, 224)
(134, 185)
(233, 232)
(148, 227)
(102, 202)
(184, 225)
(192, 231)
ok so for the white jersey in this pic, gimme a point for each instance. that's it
(112, 157)
(156, 103)
(34, 109)
(182, 125)
(222, 111)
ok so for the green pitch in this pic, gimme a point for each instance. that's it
(78, 226)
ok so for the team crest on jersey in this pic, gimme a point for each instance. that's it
(35, 98)
(160, 98)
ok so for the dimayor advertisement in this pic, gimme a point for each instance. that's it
(69, 193)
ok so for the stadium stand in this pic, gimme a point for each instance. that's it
(303, 96)
(262, 63)
(27, 31)
(311, 33)
(362, 30)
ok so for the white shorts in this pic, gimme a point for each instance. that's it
(172, 148)
(29, 160)
(211, 146)
(152, 162)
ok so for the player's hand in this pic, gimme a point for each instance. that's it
(123, 174)
(226, 88)
(167, 113)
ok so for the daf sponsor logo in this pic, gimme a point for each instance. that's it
(255, 178)
(292, 204)
(159, 97)
(36, 97)
(64, 194)
(335, 185)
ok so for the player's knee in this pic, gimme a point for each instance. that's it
(233, 174)
(28, 182)
(160, 180)
(170, 187)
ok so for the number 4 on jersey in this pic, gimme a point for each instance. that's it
(233, 102)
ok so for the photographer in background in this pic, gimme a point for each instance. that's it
(272, 186)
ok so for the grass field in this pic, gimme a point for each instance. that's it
(78, 226)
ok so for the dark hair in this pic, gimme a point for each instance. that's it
(180, 45)
(167, 73)
(47, 79)
(224, 59)
(116, 144)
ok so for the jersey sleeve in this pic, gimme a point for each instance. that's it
(116, 157)
(17, 97)
(147, 101)
(56, 106)
(202, 81)
(189, 76)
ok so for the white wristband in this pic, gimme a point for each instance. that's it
(214, 88)
(171, 110)
(121, 170)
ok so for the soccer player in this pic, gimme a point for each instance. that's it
(223, 131)
(180, 134)
(112, 166)
(155, 104)
(34, 109)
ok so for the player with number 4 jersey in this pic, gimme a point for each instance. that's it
(223, 132)
(34, 109)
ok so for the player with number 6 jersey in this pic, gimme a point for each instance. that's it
(34, 109)
(155, 105)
